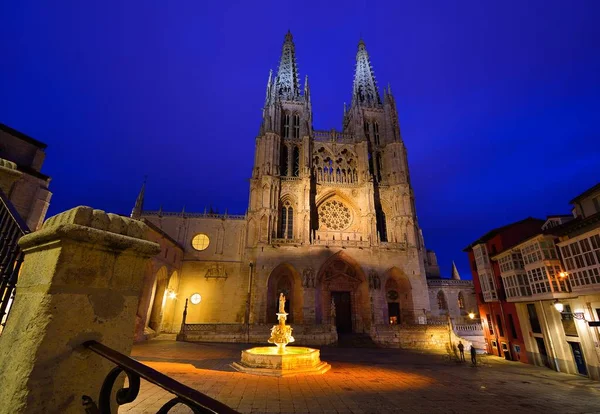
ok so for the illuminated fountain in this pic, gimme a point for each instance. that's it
(280, 360)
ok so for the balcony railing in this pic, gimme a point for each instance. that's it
(333, 136)
(195, 400)
(12, 227)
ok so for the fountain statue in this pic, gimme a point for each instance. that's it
(281, 360)
(281, 334)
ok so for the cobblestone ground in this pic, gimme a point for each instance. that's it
(365, 381)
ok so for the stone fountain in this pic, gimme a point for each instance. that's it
(281, 360)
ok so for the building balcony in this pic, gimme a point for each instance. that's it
(333, 136)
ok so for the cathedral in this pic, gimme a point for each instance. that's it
(331, 223)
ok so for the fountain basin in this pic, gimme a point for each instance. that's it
(267, 360)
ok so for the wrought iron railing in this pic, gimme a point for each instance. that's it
(12, 227)
(195, 400)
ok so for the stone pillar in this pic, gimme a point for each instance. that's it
(81, 280)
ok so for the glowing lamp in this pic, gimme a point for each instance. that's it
(195, 298)
(562, 275)
(172, 294)
(471, 315)
(558, 306)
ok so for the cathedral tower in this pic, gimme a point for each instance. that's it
(279, 207)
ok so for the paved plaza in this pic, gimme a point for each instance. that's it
(366, 380)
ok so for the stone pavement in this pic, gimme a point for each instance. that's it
(365, 381)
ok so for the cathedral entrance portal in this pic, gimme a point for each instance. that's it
(342, 281)
(343, 311)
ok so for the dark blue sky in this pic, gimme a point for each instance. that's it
(499, 103)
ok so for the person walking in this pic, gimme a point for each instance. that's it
(473, 356)
(461, 349)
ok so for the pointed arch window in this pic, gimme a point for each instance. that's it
(286, 125)
(441, 299)
(379, 166)
(376, 132)
(286, 221)
(461, 302)
(367, 127)
(296, 126)
(381, 225)
(283, 161)
(296, 160)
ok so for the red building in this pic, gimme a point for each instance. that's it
(499, 317)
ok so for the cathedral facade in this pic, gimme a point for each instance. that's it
(331, 223)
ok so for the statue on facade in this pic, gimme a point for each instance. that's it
(308, 278)
(332, 311)
(374, 280)
(281, 303)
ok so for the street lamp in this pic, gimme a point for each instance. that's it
(560, 308)
(562, 275)
(471, 315)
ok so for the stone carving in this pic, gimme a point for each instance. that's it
(216, 270)
(374, 280)
(334, 215)
(308, 278)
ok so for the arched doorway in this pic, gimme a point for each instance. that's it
(284, 279)
(159, 298)
(342, 281)
(398, 295)
(172, 291)
(393, 301)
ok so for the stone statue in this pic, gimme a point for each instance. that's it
(332, 310)
(281, 303)
(308, 278)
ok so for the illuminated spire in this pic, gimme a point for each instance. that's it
(287, 85)
(455, 274)
(138, 208)
(364, 91)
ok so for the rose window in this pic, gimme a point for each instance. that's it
(334, 215)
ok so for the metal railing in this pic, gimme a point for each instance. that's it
(12, 227)
(195, 400)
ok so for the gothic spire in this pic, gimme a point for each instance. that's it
(136, 213)
(364, 91)
(455, 274)
(287, 85)
(269, 88)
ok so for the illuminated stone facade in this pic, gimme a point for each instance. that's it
(331, 218)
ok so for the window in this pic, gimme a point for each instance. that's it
(379, 167)
(568, 322)
(499, 325)
(533, 318)
(286, 125)
(367, 127)
(511, 325)
(296, 126)
(461, 301)
(489, 322)
(596, 201)
(296, 160)
(200, 242)
(286, 221)
(441, 298)
(376, 132)
(284, 161)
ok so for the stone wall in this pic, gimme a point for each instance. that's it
(418, 337)
(259, 333)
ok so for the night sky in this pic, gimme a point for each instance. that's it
(499, 104)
